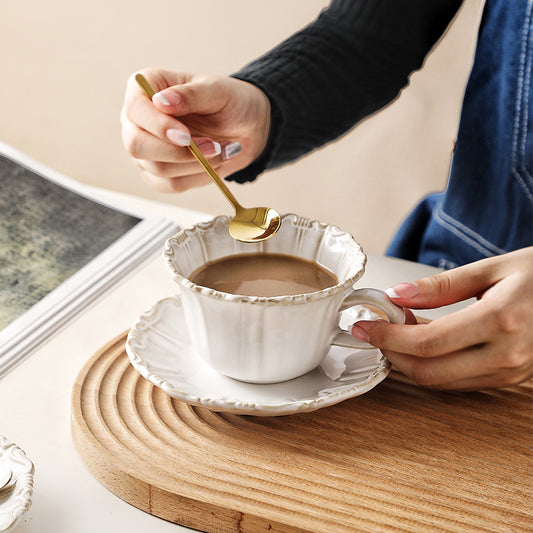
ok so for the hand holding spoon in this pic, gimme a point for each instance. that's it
(250, 224)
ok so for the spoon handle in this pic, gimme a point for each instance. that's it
(214, 176)
(149, 90)
(144, 84)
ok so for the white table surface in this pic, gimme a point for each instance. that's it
(35, 397)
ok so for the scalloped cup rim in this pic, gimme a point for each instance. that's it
(290, 298)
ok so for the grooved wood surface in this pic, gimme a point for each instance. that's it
(398, 458)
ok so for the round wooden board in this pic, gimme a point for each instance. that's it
(396, 458)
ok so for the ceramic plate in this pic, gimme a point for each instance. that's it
(16, 496)
(159, 348)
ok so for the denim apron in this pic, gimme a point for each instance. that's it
(487, 207)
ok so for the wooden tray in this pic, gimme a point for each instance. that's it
(398, 458)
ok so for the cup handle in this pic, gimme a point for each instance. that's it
(372, 297)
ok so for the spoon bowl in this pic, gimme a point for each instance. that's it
(254, 224)
(250, 224)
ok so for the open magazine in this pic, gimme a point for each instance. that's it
(60, 249)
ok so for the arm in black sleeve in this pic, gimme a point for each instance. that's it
(350, 62)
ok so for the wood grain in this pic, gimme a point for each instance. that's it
(398, 458)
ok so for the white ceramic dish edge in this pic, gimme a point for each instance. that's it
(16, 497)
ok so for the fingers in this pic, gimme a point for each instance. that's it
(499, 363)
(160, 79)
(439, 372)
(150, 129)
(179, 166)
(186, 95)
(469, 370)
(448, 287)
(163, 170)
(202, 95)
(141, 144)
(177, 184)
(139, 111)
(468, 327)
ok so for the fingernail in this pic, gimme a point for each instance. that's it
(391, 293)
(179, 137)
(360, 333)
(231, 150)
(161, 98)
(403, 290)
(167, 97)
(210, 148)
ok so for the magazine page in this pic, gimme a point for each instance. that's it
(61, 247)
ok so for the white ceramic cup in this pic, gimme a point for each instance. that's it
(271, 339)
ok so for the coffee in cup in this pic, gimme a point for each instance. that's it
(260, 274)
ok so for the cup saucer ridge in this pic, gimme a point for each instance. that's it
(159, 348)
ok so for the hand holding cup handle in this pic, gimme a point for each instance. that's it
(367, 297)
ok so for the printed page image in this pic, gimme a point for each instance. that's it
(47, 233)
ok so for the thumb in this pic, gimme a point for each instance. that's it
(200, 95)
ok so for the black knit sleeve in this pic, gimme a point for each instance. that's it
(350, 62)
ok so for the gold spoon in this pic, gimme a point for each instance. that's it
(250, 224)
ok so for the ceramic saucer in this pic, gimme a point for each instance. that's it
(159, 348)
(16, 496)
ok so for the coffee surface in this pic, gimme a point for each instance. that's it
(263, 275)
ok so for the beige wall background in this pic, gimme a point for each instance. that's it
(63, 71)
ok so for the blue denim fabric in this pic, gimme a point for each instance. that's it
(487, 208)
